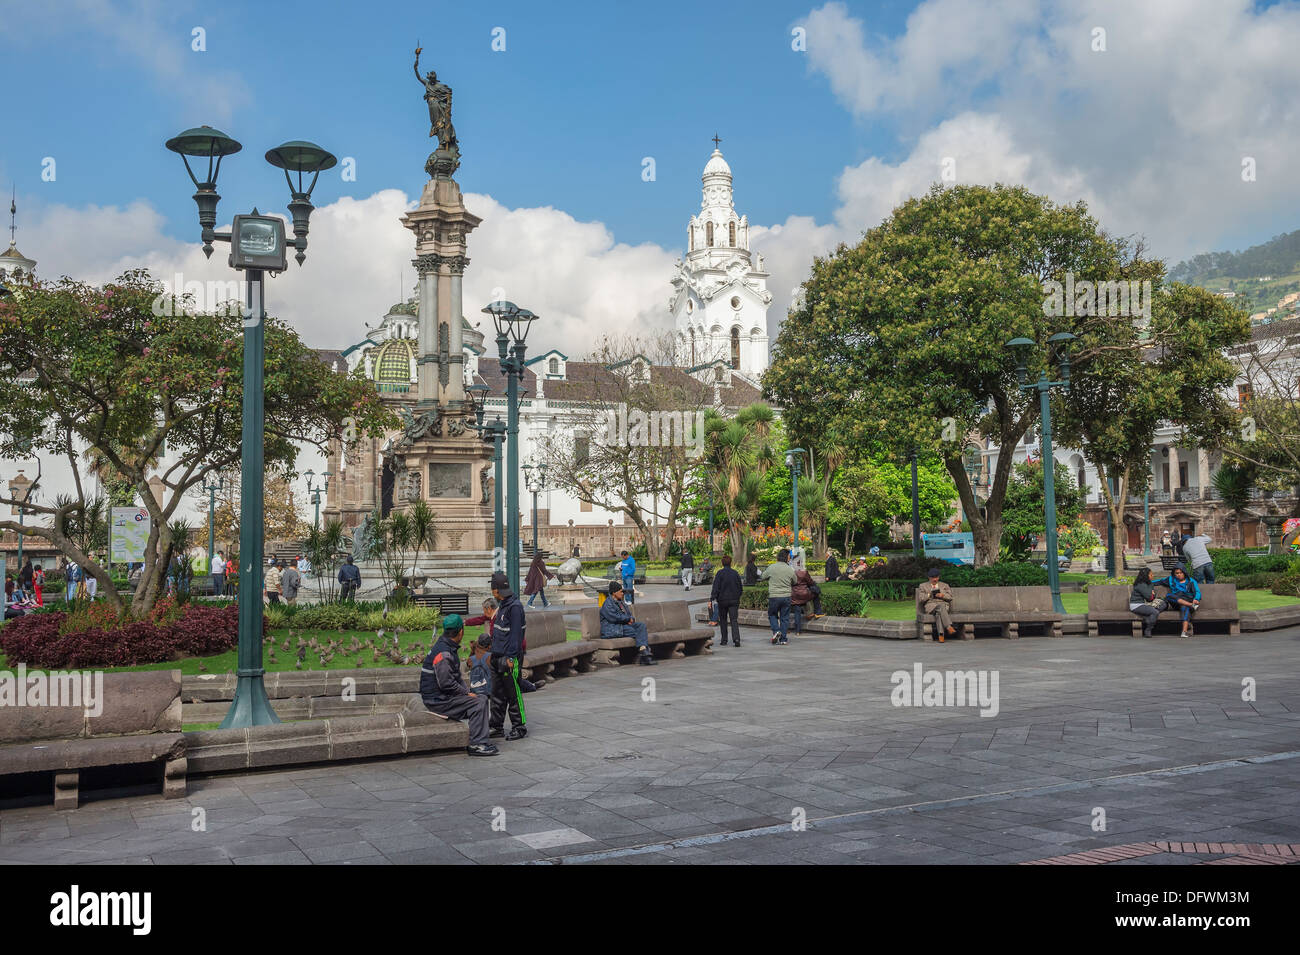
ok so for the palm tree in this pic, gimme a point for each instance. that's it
(1233, 483)
(739, 454)
(423, 532)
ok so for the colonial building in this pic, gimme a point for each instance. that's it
(719, 303)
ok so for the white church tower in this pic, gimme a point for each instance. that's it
(720, 295)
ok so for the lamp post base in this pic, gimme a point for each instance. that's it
(251, 706)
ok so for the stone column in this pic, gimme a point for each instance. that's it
(1173, 470)
(370, 479)
(1203, 469)
(456, 335)
(427, 363)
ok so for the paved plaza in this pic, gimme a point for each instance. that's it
(737, 747)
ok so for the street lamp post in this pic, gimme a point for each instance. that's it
(212, 490)
(1044, 387)
(257, 246)
(495, 432)
(315, 492)
(711, 551)
(794, 461)
(535, 481)
(916, 511)
(512, 324)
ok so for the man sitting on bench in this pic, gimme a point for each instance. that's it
(443, 689)
(934, 597)
(616, 620)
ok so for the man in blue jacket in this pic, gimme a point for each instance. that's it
(507, 660)
(627, 570)
(443, 689)
(349, 578)
(616, 620)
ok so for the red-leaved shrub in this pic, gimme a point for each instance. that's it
(200, 631)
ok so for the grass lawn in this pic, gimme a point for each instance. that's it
(411, 644)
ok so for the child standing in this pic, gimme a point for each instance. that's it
(38, 581)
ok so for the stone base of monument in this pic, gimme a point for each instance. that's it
(569, 594)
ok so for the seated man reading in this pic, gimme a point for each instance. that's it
(935, 597)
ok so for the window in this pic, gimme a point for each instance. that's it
(735, 348)
(585, 507)
(553, 366)
(1243, 395)
(692, 347)
(731, 234)
(708, 234)
(581, 448)
(719, 374)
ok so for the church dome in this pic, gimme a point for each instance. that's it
(394, 364)
(717, 166)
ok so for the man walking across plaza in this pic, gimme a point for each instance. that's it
(780, 578)
(349, 579)
(934, 597)
(726, 597)
(443, 689)
(688, 566)
(218, 571)
(290, 582)
(627, 571)
(507, 660)
(1197, 557)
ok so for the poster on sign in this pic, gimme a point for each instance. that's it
(953, 548)
(128, 535)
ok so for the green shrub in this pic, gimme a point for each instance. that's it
(1235, 563)
(888, 589)
(408, 618)
(277, 615)
(1286, 585)
(838, 599)
(1000, 574)
(1248, 581)
(334, 616)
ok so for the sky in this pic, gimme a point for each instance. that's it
(829, 114)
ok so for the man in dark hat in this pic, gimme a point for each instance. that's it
(507, 660)
(935, 597)
(443, 689)
(616, 620)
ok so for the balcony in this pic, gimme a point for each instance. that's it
(1187, 494)
(1159, 497)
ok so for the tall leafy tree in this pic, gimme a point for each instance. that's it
(131, 375)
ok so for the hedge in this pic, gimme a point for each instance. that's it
(838, 599)
(1235, 563)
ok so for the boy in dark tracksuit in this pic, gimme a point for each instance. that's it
(506, 660)
(444, 691)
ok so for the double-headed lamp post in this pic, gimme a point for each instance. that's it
(512, 325)
(1060, 344)
(212, 487)
(257, 246)
(794, 461)
(535, 481)
(315, 492)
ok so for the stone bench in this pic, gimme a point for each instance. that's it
(668, 627)
(139, 724)
(413, 729)
(1108, 603)
(550, 651)
(1007, 608)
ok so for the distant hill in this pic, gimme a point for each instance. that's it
(1259, 276)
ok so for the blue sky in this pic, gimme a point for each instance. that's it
(563, 117)
(1151, 128)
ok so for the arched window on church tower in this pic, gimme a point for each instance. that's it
(735, 348)
(692, 348)
(731, 230)
(708, 234)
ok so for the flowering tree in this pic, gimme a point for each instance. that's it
(132, 376)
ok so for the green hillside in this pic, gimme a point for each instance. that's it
(1260, 275)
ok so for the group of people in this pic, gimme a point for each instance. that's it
(24, 594)
(494, 691)
(283, 580)
(790, 590)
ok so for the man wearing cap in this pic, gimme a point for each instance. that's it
(616, 620)
(935, 597)
(443, 689)
(506, 660)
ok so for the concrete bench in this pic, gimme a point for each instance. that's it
(550, 651)
(1007, 608)
(1108, 603)
(413, 729)
(668, 626)
(139, 724)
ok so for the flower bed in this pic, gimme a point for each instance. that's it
(46, 640)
